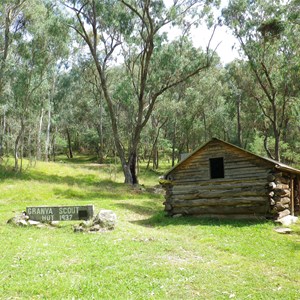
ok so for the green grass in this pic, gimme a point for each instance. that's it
(148, 256)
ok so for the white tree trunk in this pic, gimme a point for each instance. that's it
(47, 142)
(38, 146)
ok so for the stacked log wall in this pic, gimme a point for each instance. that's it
(243, 190)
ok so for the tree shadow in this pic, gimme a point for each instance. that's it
(148, 208)
(160, 219)
(95, 195)
(79, 180)
(77, 159)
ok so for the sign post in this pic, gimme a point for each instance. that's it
(60, 213)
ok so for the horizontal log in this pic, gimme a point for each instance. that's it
(198, 179)
(228, 173)
(238, 174)
(258, 209)
(218, 184)
(192, 189)
(228, 166)
(272, 185)
(245, 167)
(201, 170)
(246, 201)
(246, 176)
(231, 162)
(185, 190)
(203, 194)
(228, 158)
(234, 216)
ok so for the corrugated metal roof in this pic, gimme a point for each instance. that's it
(278, 165)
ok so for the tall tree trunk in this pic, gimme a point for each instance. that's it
(205, 126)
(277, 145)
(101, 143)
(174, 144)
(38, 146)
(70, 151)
(154, 150)
(132, 166)
(267, 147)
(47, 142)
(29, 147)
(156, 159)
(2, 135)
(53, 144)
(239, 126)
(101, 150)
(121, 152)
(22, 152)
(17, 146)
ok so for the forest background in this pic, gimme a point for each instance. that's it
(105, 78)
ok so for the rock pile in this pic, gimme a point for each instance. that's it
(24, 221)
(105, 220)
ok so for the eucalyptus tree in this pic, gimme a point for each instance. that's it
(99, 118)
(268, 38)
(80, 125)
(246, 117)
(134, 33)
(35, 53)
(192, 113)
(11, 24)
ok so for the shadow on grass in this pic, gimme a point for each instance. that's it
(159, 219)
(91, 180)
(99, 194)
(80, 180)
(108, 169)
(77, 159)
(148, 208)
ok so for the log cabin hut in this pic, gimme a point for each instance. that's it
(223, 180)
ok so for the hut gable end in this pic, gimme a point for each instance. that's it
(220, 179)
(215, 158)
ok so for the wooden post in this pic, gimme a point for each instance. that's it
(292, 197)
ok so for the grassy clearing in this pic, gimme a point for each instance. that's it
(148, 256)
